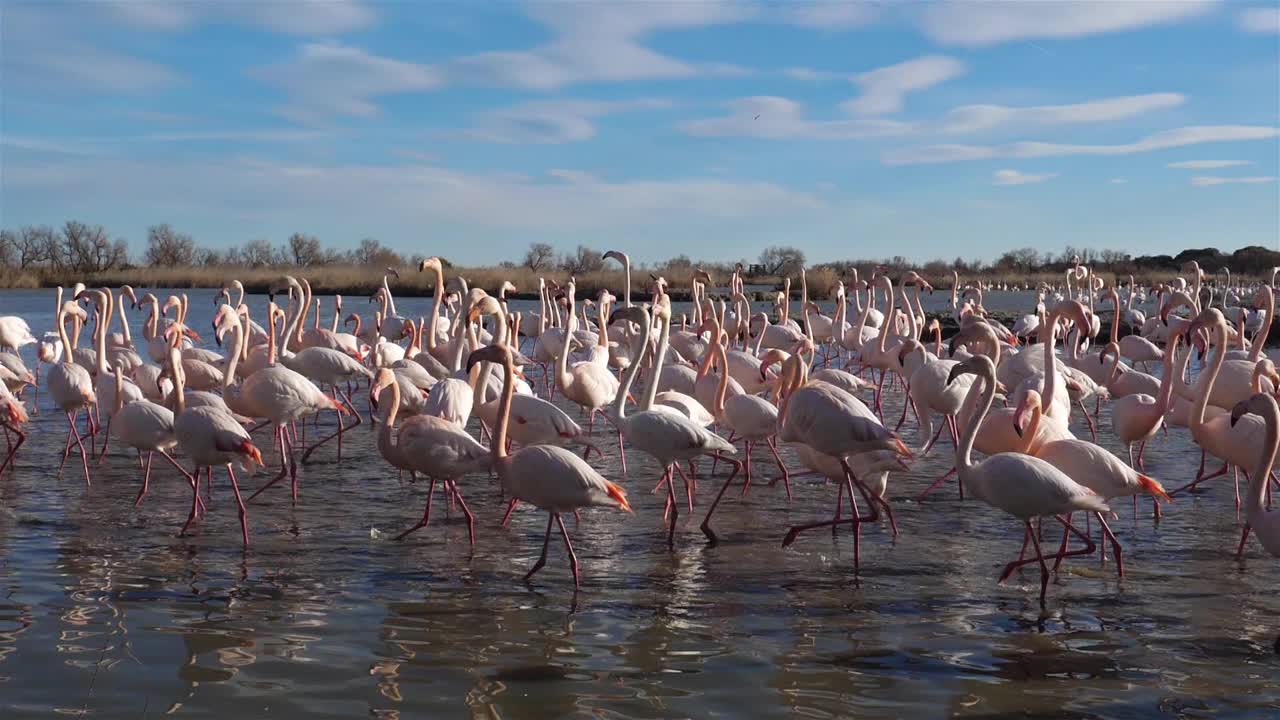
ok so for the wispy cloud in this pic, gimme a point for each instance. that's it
(1260, 20)
(979, 24)
(831, 14)
(1118, 181)
(884, 89)
(599, 42)
(332, 79)
(296, 17)
(808, 74)
(1014, 177)
(1179, 137)
(1210, 180)
(1207, 164)
(32, 57)
(553, 121)
(974, 118)
(772, 117)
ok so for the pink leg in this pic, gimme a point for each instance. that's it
(426, 515)
(511, 507)
(195, 500)
(688, 485)
(936, 483)
(542, 559)
(244, 514)
(573, 557)
(786, 477)
(706, 521)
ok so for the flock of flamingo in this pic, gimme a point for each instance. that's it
(723, 382)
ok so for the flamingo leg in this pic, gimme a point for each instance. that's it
(706, 521)
(284, 468)
(466, 512)
(244, 514)
(746, 479)
(542, 559)
(936, 483)
(84, 458)
(426, 515)
(688, 485)
(573, 557)
(674, 506)
(13, 449)
(1194, 483)
(195, 500)
(1244, 539)
(1093, 431)
(146, 479)
(786, 476)
(511, 507)
(342, 428)
(1108, 535)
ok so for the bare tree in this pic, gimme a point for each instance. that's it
(782, 259)
(37, 245)
(8, 248)
(305, 249)
(165, 246)
(583, 260)
(88, 248)
(258, 253)
(538, 256)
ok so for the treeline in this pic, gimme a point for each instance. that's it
(78, 247)
(33, 255)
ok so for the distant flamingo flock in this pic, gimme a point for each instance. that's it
(469, 391)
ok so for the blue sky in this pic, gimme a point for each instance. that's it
(712, 129)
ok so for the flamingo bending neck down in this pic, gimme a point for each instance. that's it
(1265, 524)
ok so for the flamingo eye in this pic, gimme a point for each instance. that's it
(521, 420)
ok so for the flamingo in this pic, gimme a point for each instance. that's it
(144, 426)
(1022, 485)
(1136, 418)
(546, 476)
(431, 446)
(834, 423)
(664, 434)
(15, 333)
(13, 415)
(1265, 524)
(72, 389)
(210, 436)
(283, 396)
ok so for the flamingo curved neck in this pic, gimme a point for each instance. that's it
(499, 446)
(1256, 511)
(620, 400)
(985, 390)
(1211, 376)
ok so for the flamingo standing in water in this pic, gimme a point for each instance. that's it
(283, 396)
(72, 388)
(146, 427)
(210, 436)
(546, 476)
(13, 414)
(833, 423)
(1022, 485)
(429, 445)
(1260, 521)
(665, 434)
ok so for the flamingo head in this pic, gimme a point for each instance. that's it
(495, 354)
(1030, 401)
(1260, 404)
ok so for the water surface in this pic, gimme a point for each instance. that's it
(105, 612)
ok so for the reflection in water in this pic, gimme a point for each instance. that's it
(103, 610)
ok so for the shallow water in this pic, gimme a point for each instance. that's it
(104, 611)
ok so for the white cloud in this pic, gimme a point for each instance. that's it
(1260, 20)
(978, 24)
(1179, 137)
(561, 200)
(599, 42)
(1118, 181)
(974, 118)
(784, 118)
(1013, 177)
(1207, 164)
(50, 50)
(342, 80)
(552, 121)
(808, 74)
(830, 14)
(883, 89)
(766, 116)
(296, 17)
(1209, 180)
